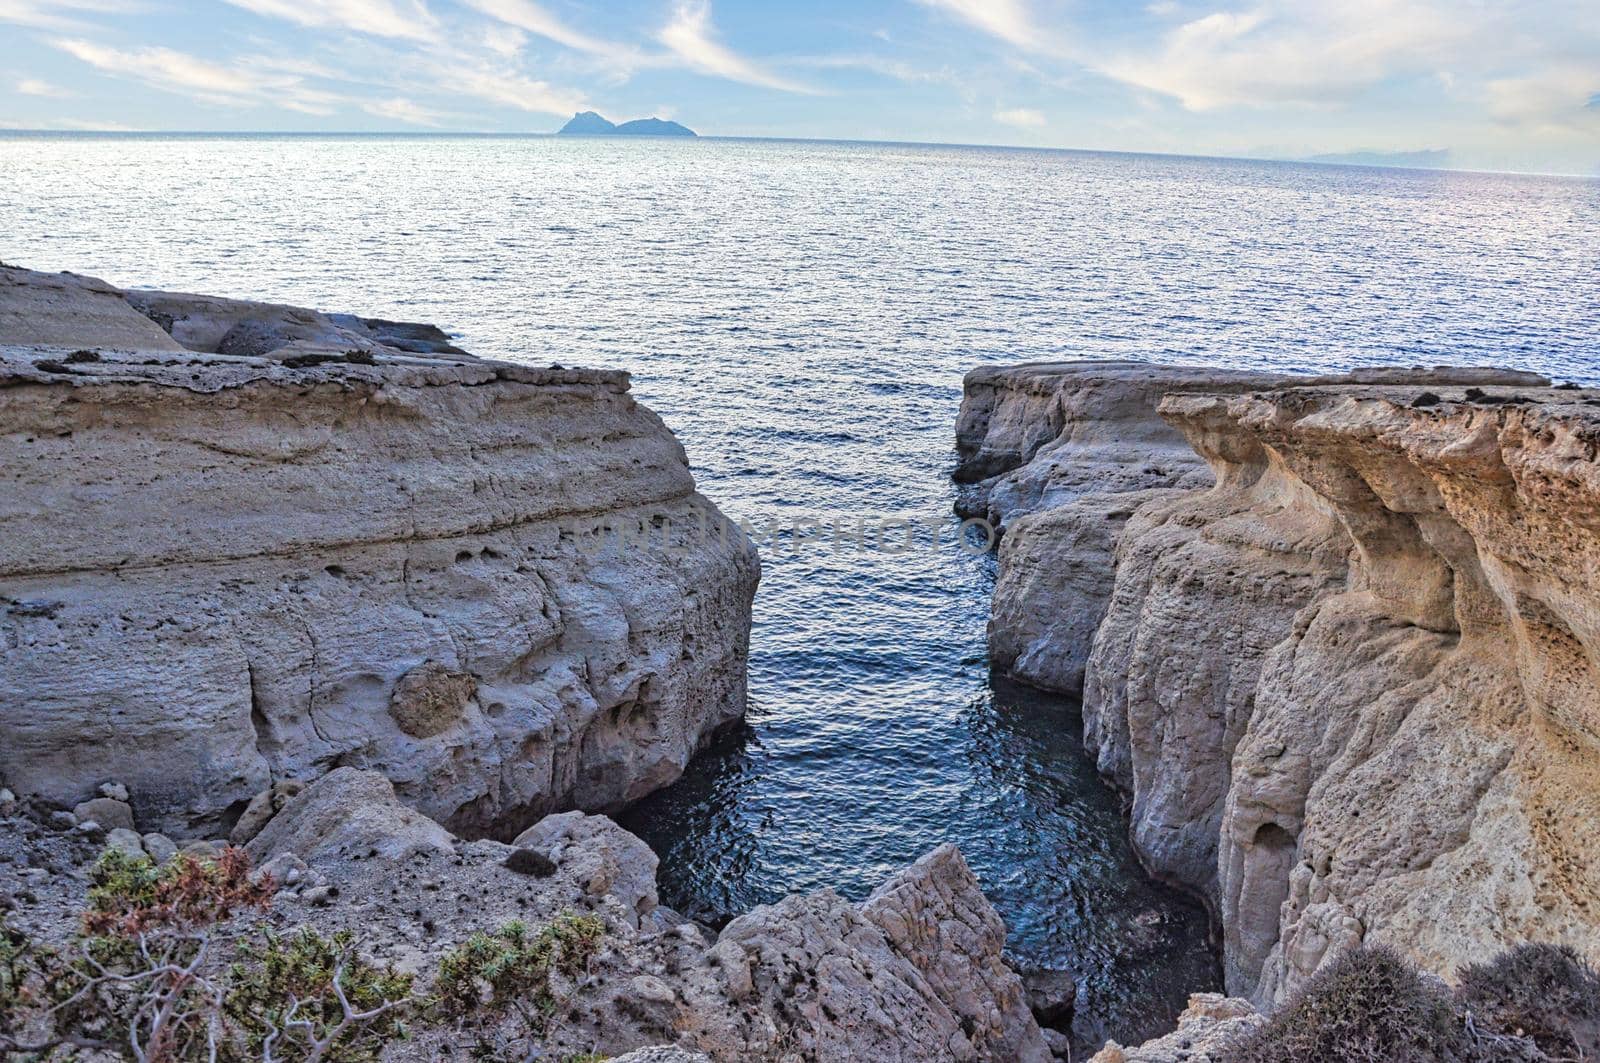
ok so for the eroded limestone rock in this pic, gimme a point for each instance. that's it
(365, 548)
(1350, 687)
(1206, 1028)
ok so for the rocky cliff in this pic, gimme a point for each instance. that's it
(245, 543)
(913, 973)
(1350, 686)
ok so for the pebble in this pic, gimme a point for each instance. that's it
(115, 791)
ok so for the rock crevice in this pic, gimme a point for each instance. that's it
(1350, 687)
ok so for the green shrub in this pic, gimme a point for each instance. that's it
(1546, 993)
(509, 972)
(297, 993)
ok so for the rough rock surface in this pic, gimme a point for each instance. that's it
(913, 974)
(1206, 1028)
(1059, 455)
(348, 813)
(604, 857)
(1420, 767)
(345, 544)
(1351, 688)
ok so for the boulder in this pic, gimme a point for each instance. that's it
(348, 814)
(600, 855)
(110, 814)
(1205, 1030)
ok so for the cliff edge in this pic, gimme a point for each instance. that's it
(247, 543)
(1350, 685)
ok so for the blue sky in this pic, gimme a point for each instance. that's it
(1500, 85)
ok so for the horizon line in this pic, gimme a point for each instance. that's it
(444, 133)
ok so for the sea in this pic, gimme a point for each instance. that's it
(801, 314)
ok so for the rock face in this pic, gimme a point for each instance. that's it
(1351, 686)
(1205, 1030)
(1059, 455)
(914, 973)
(344, 544)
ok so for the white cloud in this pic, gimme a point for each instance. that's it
(166, 69)
(1558, 98)
(525, 15)
(1010, 20)
(201, 79)
(691, 37)
(504, 41)
(87, 126)
(61, 15)
(382, 18)
(875, 64)
(35, 87)
(403, 110)
(508, 89)
(1289, 52)
(1021, 117)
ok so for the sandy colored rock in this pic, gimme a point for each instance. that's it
(430, 699)
(1206, 1028)
(1350, 687)
(126, 842)
(222, 572)
(348, 813)
(601, 855)
(110, 814)
(1060, 454)
(913, 975)
(69, 311)
(262, 807)
(1346, 686)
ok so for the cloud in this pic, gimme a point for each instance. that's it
(35, 87)
(1290, 53)
(876, 64)
(201, 79)
(382, 18)
(1009, 20)
(1021, 117)
(508, 89)
(1557, 98)
(525, 15)
(403, 110)
(86, 126)
(504, 41)
(60, 14)
(691, 37)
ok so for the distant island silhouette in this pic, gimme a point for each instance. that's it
(590, 124)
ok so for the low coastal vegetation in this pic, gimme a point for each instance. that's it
(1533, 1003)
(148, 977)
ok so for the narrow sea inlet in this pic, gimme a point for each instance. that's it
(801, 315)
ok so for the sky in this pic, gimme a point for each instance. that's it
(1496, 85)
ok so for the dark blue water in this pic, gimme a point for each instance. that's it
(801, 315)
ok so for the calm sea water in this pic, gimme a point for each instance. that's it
(801, 315)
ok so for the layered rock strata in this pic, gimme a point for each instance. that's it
(1350, 688)
(246, 543)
